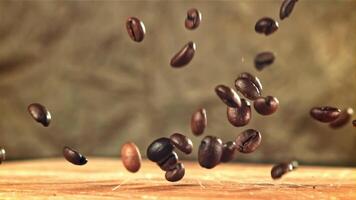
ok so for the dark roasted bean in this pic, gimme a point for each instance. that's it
(40, 113)
(2, 155)
(239, 116)
(184, 56)
(169, 163)
(286, 8)
(135, 28)
(228, 96)
(193, 19)
(160, 149)
(256, 81)
(210, 151)
(354, 123)
(325, 114)
(249, 86)
(266, 105)
(264, 59)
(198, 122)
(131, 157)
(280, 169)
(74, 156)
(343, 119)
(176, 174)
(182, 142)
(266, 26)
(248, 141)
(228, 151)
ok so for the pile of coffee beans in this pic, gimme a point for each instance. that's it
(281, 169)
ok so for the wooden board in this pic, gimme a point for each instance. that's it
(107, 179)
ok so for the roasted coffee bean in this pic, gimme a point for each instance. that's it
(248, 141)
(249, 86)
(264, 59)
(175, 174)
(182, 142)
(343, 119)
(354, 123)
(135, 28)
(325, 114)
(280, 169)
(198, 122)
(160, 149)
(228, 151)
(40, 113)
(2, 155)
(239, 116)
(193, 19)
(169, 163)
(131, 157)
(73, 156)
(266, 105)
(228, 96)
(266, 26)
(210, 152)
(184, 56)
(286, 8)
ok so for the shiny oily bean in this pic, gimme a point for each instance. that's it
(263, 60)
(159, 149)
(249, 86)
(229, 149)
(266, 26)
(169, 163)
(182, 142)
(175, 174)
(210, 152)
(2, 155)
(343, 119)
(193, 19)
(239, 116)
(280, 169)
(325, 114)
(248, 141)
(286, 8)
(74, 156)
(266, 105)
(228, 96)
(131, 157)
(40, 113)
(254, 79)
(135, 28)
(184, 56)
(199, 121)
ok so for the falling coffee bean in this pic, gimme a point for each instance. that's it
(248, 141)
(175, 174)
(264, 59)
(249, 86)
(343, 119)
(286, 8)
(239, 116)
(266, 26)
(160, 149)
(184, 56)
(280, 169)
(40, 113)
(193, 19)
(266, 105)
(228, 152)
(73, 156)
(198, 122)
(136, 29)
(2, 155)
(325, 114)
(169, 163)
(228, 96)
(210, 152)
(131, 157)
(182, 142)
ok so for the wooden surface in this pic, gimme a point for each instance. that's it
(107, 179)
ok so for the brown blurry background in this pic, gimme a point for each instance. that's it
(103, 89)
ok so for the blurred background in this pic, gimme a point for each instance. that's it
(103, 89)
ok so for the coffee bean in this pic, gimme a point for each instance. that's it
(248, 141)
(280, 169)
(198, 122)
(193, 19)
(210, 152)
(228, 96)
(184, 56)
(249, 86)
(176, 174)
(135, 28)
(266, 105)
(254, 79)
(2, 155)
(343, 119)
(239, 116)
(73, 156)
(182, 142)
(286, 8)
(169, 163)
(228, 152)
(266, 26)
(264, 59)
(39, 113)
(325, 114)
(354, 123)
(160, 149)
(131, 157)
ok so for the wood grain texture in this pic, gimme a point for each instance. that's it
(107, 179)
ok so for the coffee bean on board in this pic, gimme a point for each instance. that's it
(280, 169)
(74, 156)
